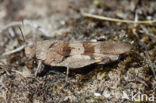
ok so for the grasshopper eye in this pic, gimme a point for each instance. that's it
(31, 45)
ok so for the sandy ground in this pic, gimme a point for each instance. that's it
(133, 73)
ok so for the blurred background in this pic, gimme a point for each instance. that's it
(63, 20)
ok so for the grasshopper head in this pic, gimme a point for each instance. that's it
(30, 49)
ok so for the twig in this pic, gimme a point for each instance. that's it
(26, 22)
(117, 20)
(14, 51)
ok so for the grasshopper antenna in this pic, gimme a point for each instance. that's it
(19, 48)
(22, 33)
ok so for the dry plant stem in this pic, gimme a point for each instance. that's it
(26, 22)
(14, 51)
(117, 20)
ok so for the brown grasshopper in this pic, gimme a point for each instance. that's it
(76, 54)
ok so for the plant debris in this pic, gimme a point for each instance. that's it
(133, 73)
